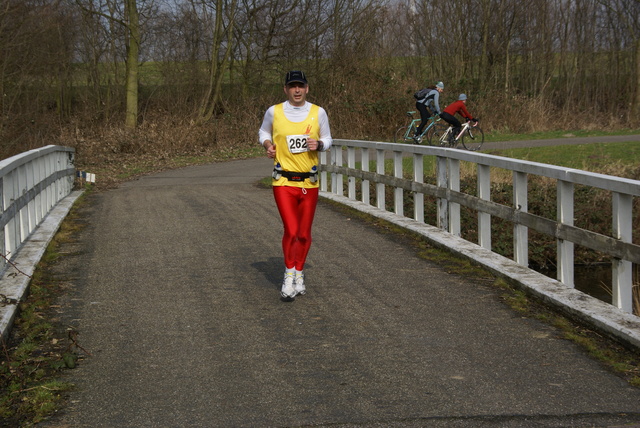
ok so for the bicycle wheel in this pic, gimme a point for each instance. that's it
(473, 138)
(435, 134)
(404, 135)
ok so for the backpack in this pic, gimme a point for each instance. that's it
(421, 93)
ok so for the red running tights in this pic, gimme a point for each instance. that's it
(297, 208)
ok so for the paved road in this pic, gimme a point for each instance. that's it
(174, 291)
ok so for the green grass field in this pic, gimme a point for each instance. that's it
(618, 159)
(556, 134)
(606, 158)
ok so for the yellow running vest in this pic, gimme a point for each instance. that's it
(290, 140)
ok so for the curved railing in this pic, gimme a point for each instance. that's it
(335, 175)
(31, 184)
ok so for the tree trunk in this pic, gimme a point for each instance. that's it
(133, 49)
(635, 102)
(484, 61)
(219, 61)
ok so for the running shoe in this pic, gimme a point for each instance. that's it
(299, 284)
(288, 292)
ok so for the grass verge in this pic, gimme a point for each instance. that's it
(38, 349)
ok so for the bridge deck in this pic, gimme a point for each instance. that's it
(175, 294)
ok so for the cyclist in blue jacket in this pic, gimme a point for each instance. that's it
(429, 105)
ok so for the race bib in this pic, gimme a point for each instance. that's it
(297, 143)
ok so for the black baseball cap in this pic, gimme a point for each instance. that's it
(295, 76)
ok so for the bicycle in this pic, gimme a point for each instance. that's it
(405, 134)
(471, 136)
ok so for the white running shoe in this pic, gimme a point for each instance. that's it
(288, 292)
(299, 284)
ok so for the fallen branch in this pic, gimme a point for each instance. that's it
(14, 265)
(73, 334)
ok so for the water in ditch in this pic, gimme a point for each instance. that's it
(594, 280)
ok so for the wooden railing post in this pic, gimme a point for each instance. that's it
(520, 232)
(442, 183)
(365, 183)
(454, 208)
(622, 278)
(380, 199)
(418, 177)
(565, 272)
(484, 219)
(351, 163)
(398, 192)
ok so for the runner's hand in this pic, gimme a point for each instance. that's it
(271, 151)
(312, 144)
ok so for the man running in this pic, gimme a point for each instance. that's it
(293, 133)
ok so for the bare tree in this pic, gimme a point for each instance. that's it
(36, 39)
(132, 23)
(222, 15)
(626, 14)
(124, 16)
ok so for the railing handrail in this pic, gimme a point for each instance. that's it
(11, 163)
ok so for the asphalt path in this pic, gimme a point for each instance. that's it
(174, 291)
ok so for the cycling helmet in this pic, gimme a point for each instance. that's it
(462, 97)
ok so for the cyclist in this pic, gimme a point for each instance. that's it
(449, 113)
(429, 106)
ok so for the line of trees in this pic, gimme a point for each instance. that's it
(128, 62)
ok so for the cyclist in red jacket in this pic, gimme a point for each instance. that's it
(449, 113)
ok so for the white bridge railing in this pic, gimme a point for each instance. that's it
(336, 174)
(31, 184)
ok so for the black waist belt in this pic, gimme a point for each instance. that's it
(298, 176)
(295, 176)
